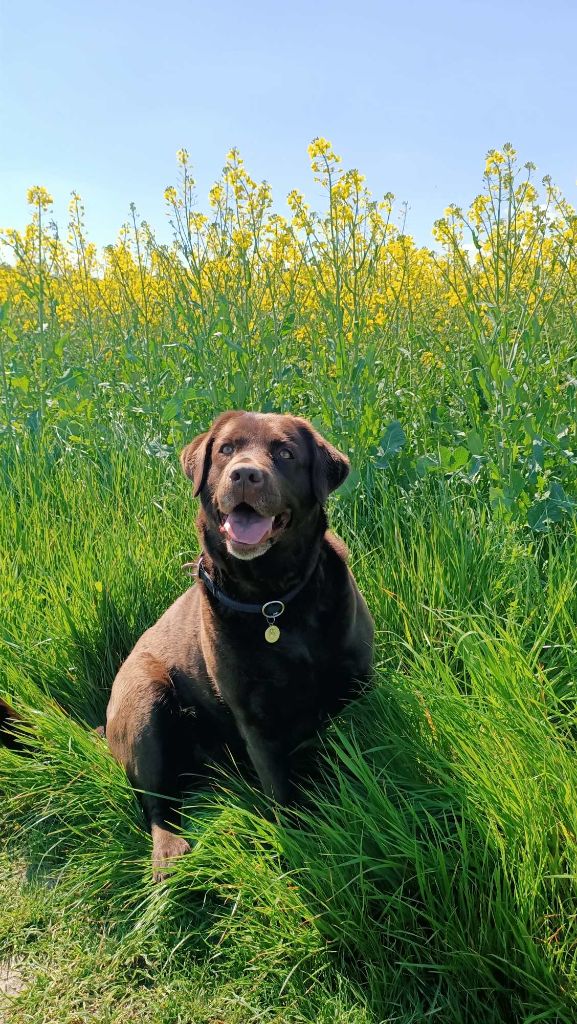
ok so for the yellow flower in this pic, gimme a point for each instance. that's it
(216, 195)
(242, 238)
(323, 148)
(196, 221)
(39, 196)
(493, 161)
(323, 157)
(429, 359)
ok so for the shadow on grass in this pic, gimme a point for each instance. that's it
(87, 657)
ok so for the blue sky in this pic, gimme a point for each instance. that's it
(98, 97)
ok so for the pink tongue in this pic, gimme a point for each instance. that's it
(247, 527)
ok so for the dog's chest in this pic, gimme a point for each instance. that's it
(271, 680)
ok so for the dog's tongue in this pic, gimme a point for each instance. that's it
(246, 526)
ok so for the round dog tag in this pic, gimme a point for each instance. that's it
(272, 634)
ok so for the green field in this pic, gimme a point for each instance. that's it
(430, 871)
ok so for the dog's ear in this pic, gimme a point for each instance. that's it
(329, 468)
(195, 458)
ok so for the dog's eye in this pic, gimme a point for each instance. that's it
(285, 453)
(226, 449)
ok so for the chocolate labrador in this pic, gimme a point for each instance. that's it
(273, 637)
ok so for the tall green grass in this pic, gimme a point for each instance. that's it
(429, 869)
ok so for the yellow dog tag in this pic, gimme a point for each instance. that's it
(272, 634)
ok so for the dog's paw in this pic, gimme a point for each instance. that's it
(166, 848)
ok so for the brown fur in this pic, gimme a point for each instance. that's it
(203, 678)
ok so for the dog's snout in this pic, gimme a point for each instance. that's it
(247, 475)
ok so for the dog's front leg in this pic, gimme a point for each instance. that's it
(270, 760)
(143, 732)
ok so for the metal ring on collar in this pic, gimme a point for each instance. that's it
(268, 609)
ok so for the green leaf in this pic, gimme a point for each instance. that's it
(390, 444)
(59, 347)
(474, 471)
(475, 442)
(171, 410)
(542, 514)
(426, 464)
(550, 509)
(350, 485)
(288, 323)
(558, 495)
(498, 500)
(453, 459)
(536, 460)
(516, 485)
(234, 345)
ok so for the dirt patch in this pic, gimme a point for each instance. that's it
(11, 984)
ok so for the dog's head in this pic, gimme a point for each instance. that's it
(260, 476)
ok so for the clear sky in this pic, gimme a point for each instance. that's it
(98, 97)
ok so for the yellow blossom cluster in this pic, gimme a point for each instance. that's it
(346, 272)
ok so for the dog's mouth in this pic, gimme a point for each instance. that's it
(244, 525)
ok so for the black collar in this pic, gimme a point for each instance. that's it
(270, 609)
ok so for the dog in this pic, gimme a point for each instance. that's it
(272, 639)
(8, 719)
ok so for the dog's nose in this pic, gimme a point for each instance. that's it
(247, 475)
